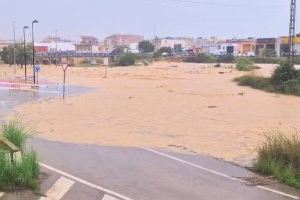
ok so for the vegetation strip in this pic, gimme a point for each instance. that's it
(285, 80)
(279, 156)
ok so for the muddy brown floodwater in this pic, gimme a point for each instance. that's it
(193, 108)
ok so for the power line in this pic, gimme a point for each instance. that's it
(292, 33)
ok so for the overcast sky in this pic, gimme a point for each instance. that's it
(227, 18)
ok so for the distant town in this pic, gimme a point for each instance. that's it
(92, 46)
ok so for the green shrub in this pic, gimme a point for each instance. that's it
(279, 156)
(256, 82)
(28, 170)
(18, 174)
(127, 60)
(284, 72)
(244, 64)
(290, 87)
(16, 133)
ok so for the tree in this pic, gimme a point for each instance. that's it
(7, 54)
(267, 52)
(127, 59)
(119, 50)
(164, 50)
(146, 47)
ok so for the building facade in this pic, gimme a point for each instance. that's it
(246, 47)
(263, 44)
(122, 40)
(175, 44)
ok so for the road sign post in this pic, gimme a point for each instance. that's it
(64, 67)
(37, 69)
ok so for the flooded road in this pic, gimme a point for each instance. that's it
(12, 95)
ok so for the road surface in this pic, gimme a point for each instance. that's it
(147, 174)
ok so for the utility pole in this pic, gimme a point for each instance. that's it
(292, 33)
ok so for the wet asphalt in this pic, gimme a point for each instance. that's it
(141, 174)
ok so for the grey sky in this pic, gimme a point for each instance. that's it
(228, 18)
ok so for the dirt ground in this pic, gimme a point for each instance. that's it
(194, 108)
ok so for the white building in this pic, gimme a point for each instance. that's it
(223, 49)
(53, 47)
(183, 43)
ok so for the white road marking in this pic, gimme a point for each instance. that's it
(107, 197)
(1, 194)
(218, 173)
(58, 189)
(79, 180)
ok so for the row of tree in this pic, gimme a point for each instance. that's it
(7, 54)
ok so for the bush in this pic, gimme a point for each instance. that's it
(244, 64)
(284, 72)
(127, 60)
(19, 175)
(255, 82)
(279, 156)
(16, 133)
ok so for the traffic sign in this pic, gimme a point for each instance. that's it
(65, 66)
(37, 68)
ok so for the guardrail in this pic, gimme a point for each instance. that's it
(14, 152)
(72, 54)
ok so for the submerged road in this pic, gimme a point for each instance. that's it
(91, 172)
(148, 174)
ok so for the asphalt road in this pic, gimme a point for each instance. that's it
(148, 174)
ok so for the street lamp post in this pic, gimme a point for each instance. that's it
(56, 53)
(24, 33)
(33, 50)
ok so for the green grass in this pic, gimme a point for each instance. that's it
(279, 156)
(16, 132)
(18, 174)
(244, 64)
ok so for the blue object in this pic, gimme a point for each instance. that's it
(37, 68)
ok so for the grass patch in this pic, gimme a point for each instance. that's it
(279, 156)
(16, 132)
(22, 173)
(244, 64)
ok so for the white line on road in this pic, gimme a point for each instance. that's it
(217, 173)
(79, 180)
(58, 189)
(1, 194)
(107, 197)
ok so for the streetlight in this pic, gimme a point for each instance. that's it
(33, 50)
(24, 33)
(56, 53)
